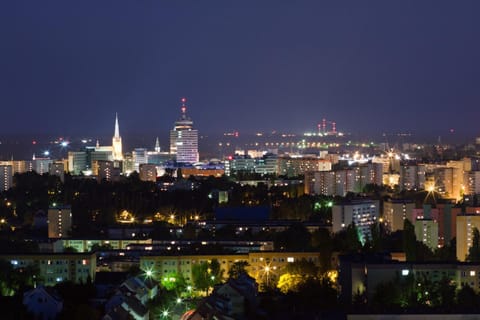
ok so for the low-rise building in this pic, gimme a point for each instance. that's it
(57, 267)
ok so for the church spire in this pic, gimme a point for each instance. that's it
(157, 145)
(117, 130)
(117, 142)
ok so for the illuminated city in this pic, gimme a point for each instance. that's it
(242, 161)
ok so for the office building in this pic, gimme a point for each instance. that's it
(139, 157)
(184, 139)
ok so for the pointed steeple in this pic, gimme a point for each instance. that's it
(117, 129)
(157, 145)
(117, 142)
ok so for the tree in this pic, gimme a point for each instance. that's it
(322, 240)
(206, 274)
(467, 298)
(295, 238)
(409, 241)
(474, 250)
(237, 269)
(174, 281)
(297, 274)
(290, 282)
(303, 268)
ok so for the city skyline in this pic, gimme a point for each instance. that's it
(371, 68)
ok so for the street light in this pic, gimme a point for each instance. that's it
(165, 313)
(267, 269)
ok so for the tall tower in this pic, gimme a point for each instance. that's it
(183, 138)
(117, 142)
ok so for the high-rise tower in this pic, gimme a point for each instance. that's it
(183, 138)
(117, 142)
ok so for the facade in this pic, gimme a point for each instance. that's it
(6, 177)
(267, 164)
(59, 222)
(39, 165)
(426, 231)
(320, 182)
(292, 166)
(57, 267)
(409, 177)
(345, 181)
(472, 182)
(106, 170)
(187, 172)
(363, 213)
(77, 162)
(139, 157)
(365, 277)
(85, 245)
(184, 139)
(263, 265)
(465, 226)
(148, 172)
(395, 212)
(57, 168)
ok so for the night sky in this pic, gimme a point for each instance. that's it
(66, 67)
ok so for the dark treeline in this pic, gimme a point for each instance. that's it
(98, 204)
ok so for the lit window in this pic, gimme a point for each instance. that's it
(405, 272)
(290, 259)
(472, 273)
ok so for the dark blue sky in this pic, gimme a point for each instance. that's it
(66, 67)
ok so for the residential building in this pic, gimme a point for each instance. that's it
(426, 231)
(262, 265)
(395, 211)
(295, 165)
(59, 222)
(6, 177)
(57, 168)
(57, 267)
(42, 303)
(148, 172)
(465, 226)
(363, 213)
(320, 182)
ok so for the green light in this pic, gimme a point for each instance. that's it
(330, 204)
